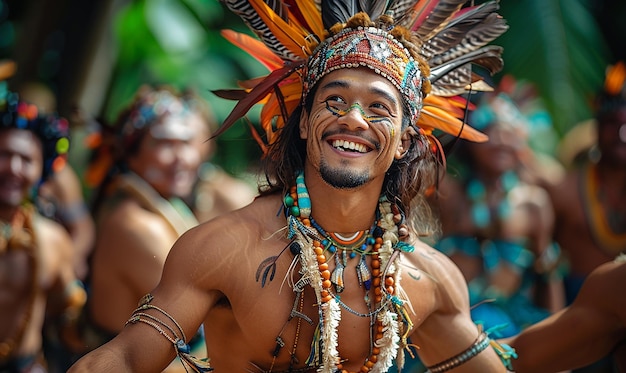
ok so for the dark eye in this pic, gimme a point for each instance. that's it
(380, 108)
(335, 100)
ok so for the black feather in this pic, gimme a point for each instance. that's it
(338, 11)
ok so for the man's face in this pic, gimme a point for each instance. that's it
(501, 152)
(353, 130)
(168, 157)
(612, 136)
(21, 164)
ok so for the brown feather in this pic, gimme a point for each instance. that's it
(255, 95)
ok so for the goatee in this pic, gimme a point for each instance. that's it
(343, 178)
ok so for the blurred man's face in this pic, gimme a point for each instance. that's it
(169, 157)
(21, 164)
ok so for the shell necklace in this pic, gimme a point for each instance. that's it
(390, 323)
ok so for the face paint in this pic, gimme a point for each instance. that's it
(339, 112)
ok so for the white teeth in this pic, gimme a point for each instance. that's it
(349, 145)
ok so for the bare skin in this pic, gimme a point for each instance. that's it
(54, 255)
(589, 329)
(583, 252)
(118, 281)
(218, 193)
(64, 190)
(133, 241)
(20, 167)
(209, 277)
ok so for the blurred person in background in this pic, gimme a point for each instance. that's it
(590, 203)
(37, 279)
(61, 196)
(150, 163)
(592, 327)
(497, 220)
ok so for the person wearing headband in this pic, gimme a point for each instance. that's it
(37, 279)
(153, 158)
(325, 271)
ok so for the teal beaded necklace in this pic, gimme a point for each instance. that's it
(480, 210)
(390, 311)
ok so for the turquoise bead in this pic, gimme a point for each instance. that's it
(295, 211)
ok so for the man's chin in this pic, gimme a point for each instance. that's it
(343, 179)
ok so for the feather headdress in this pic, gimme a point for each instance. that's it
(437, 42)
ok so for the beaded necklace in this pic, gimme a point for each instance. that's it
(603, 233)
(19, 235)
(388, 313)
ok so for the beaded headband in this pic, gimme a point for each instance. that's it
(52, 130)
(373, 48)
(154, 111)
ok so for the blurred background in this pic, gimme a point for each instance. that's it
(93, 55)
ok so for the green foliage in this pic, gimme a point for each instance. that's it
(178, 43)
(557, 45)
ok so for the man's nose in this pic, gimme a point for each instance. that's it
(355, 118)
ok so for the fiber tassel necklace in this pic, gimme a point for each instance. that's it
(389, 321)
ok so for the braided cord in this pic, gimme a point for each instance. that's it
(479, 345)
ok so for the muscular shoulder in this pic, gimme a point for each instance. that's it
(129, 218)
(232, 240)
(134, 233)
(603, 287)
(434, 273)
(52, 237)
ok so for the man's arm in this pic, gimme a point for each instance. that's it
(147, 343)
(449, 332)
(580, 334)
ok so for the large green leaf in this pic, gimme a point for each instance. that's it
(557, 45)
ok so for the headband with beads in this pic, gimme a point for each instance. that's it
(53, 131)
(375, 49)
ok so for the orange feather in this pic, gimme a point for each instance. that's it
(255, 48)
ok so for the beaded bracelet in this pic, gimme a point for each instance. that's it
(180, 345)
(480, 344)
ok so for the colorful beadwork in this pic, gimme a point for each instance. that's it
(606, 236)
(390, 324)
(479, 345)
(52, 130)
(373, 48)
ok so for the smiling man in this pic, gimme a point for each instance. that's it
(324, 271)
(37, 279)
(140, 212)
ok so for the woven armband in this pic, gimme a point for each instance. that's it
(175, 335)
(479, 345)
